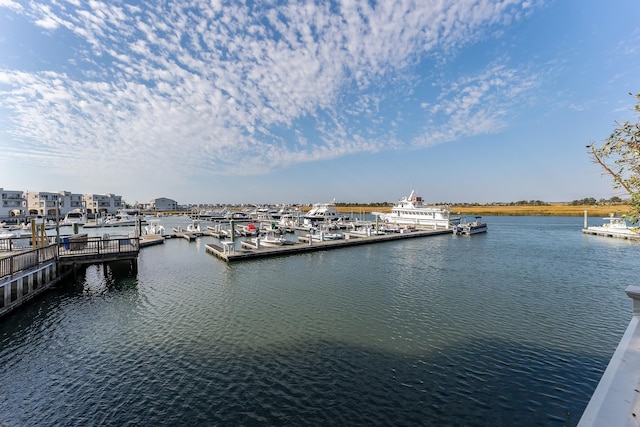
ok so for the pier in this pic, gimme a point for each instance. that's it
(91, 250)
(229, 253)
(26, 272)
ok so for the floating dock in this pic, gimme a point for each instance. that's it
(229, 253)
(150, 240)
(607, 233)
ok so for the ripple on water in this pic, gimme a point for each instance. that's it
(437, 331)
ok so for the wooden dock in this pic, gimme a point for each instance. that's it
(150, 240)
(80, 250)
(229, 253)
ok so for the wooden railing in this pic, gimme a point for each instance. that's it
(80, 247)
(21, 261)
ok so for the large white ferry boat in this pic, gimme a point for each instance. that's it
(412, 211)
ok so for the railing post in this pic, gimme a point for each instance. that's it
(634, 293)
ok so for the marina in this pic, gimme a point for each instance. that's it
(306, 306)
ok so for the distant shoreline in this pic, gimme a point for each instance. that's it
(520, 210)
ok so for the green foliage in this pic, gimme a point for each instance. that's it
(590, 201)
(619, 156)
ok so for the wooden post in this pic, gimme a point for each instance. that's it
(34, 234)
(585, 218)
(42, 234)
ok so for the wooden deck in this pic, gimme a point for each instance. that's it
(89, 250)
(229, 253)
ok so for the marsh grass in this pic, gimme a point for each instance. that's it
(549, 210)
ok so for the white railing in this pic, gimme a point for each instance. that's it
(616, 400)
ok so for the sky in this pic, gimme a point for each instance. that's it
(272, 101)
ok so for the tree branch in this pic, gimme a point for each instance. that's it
(616, 177)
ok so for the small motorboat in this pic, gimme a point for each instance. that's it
(270, 238)
(472, 227)
(154, 227)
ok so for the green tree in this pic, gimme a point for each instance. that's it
(619, 156)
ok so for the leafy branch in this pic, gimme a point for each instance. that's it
(619, 156)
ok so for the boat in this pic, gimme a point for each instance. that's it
(614, 226)
(123, 218)
(222, 230)
(323, 234)
(154, 227)
(76, 216)
(194, 227)
(366, 230)
(412, 211)
(325, 212)
(15, 239)
(213, 215)
(472, 227)
(248, 230)
(270, 238)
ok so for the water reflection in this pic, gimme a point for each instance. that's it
(510, 328)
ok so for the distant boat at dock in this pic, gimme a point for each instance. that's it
(325, 212)
(470, 227)
(76, 216)
(154, 227)
(614, 226)
(412, 211)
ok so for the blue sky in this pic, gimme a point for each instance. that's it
(302, 102)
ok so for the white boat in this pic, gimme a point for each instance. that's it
(154, 227)
(213, 215)
(194, 227)
(270, 238)
(324, 212)
(123, 218)
(223, 230)
(472, 227)
(614, 226)
(323, 235)
(15, 239)
(76, 216)
(412, 211)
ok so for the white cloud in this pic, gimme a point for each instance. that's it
(225, 87)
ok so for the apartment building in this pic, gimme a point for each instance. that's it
(12, 203)
(163, 204)
(103, 204)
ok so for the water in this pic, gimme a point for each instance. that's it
(512, 327)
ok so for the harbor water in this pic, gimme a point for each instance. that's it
(512, 327)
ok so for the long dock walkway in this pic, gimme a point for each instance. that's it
(229, 253)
